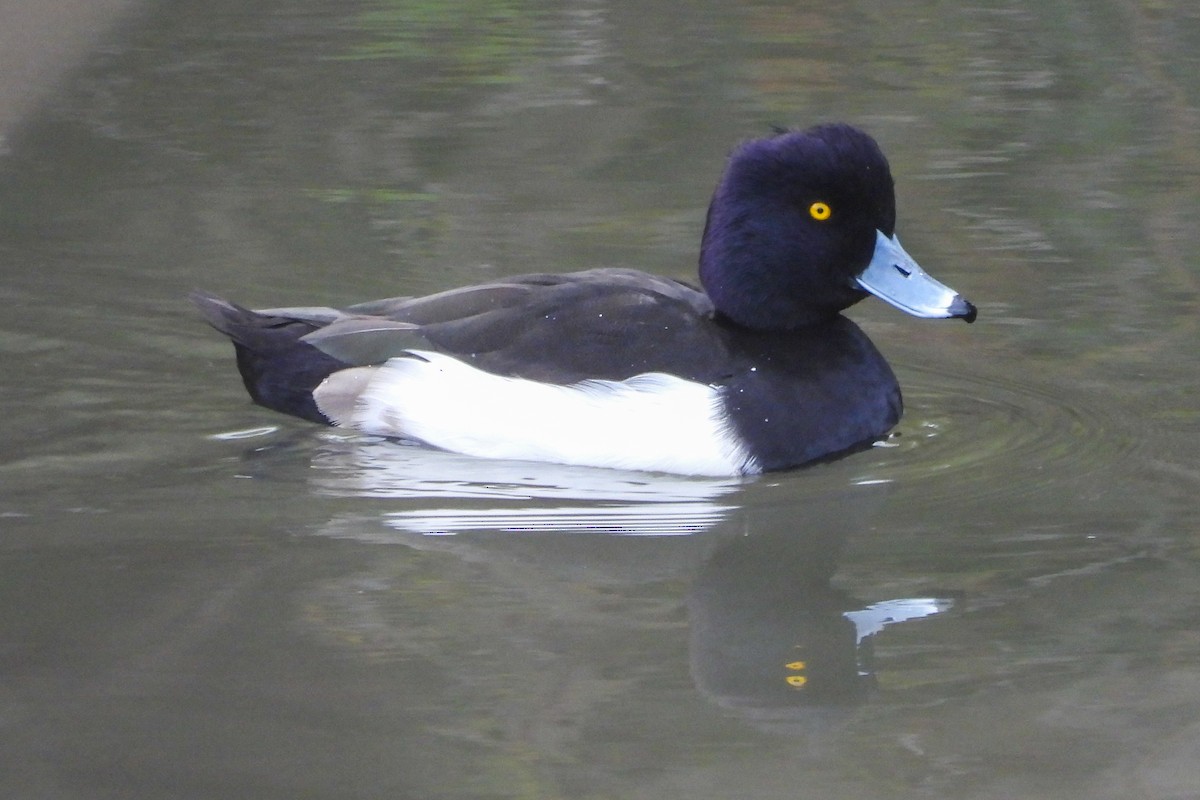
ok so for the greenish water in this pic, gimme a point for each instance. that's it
(202, 599)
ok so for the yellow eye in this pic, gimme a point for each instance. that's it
(819, 211)
(796, 681)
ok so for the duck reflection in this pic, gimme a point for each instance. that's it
(769, 634)
(449, 493)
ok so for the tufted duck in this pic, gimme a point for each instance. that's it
(618, 368)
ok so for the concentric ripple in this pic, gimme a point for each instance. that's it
(975, 436)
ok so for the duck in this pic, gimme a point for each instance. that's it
(755, 369)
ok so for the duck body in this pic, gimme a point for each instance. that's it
(618, 368)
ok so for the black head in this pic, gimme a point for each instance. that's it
(791, 224)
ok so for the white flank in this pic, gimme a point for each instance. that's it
(652, 422)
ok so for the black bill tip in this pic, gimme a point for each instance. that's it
(961, 309)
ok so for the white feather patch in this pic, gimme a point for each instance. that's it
(652, 421)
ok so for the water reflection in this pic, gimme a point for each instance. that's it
(771, 639)
(525, 496)
(774, 640)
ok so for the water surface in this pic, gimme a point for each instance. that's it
(203, 599)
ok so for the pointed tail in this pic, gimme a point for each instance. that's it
(279, 371)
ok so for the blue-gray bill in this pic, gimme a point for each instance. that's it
(894, 277)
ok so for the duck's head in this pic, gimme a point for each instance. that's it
(802, 225)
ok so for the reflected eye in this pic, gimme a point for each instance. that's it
(797, 679)
(819, 211)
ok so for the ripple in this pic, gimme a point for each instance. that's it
(977, 436)
(248, 433)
